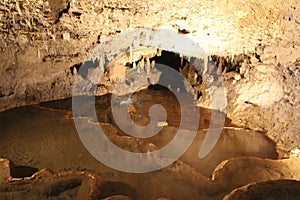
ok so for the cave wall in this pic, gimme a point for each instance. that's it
(41, 42)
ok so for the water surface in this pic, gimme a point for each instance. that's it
(41, 137)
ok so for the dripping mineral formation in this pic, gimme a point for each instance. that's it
(253, 49)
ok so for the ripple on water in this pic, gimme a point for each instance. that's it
(29, 153)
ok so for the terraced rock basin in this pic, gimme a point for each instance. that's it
(44, 136)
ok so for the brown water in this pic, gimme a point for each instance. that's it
(46, 138)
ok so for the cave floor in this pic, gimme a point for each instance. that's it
(44, 136)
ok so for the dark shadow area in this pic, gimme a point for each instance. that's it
(170, 59)
(118, 188)
(22, 171)
(76, 66)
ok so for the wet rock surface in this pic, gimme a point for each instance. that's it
(254, 47)
(240, 157)
(270, 102)
(45, 184)
(257, 46)
(265, 98)
(282, 189)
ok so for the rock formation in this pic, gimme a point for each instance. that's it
(45, 184)
(253, 49)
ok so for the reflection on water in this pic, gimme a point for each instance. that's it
(47, 138)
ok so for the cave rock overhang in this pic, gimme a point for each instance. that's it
(98, 60)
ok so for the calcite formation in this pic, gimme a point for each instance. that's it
(252, 48)
(43, 43)
(46, 184)
(282, 189)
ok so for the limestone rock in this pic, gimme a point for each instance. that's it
(279, 189)
(266, 101)
(46, 184)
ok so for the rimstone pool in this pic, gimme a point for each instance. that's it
(44, 136)
(232, 76)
